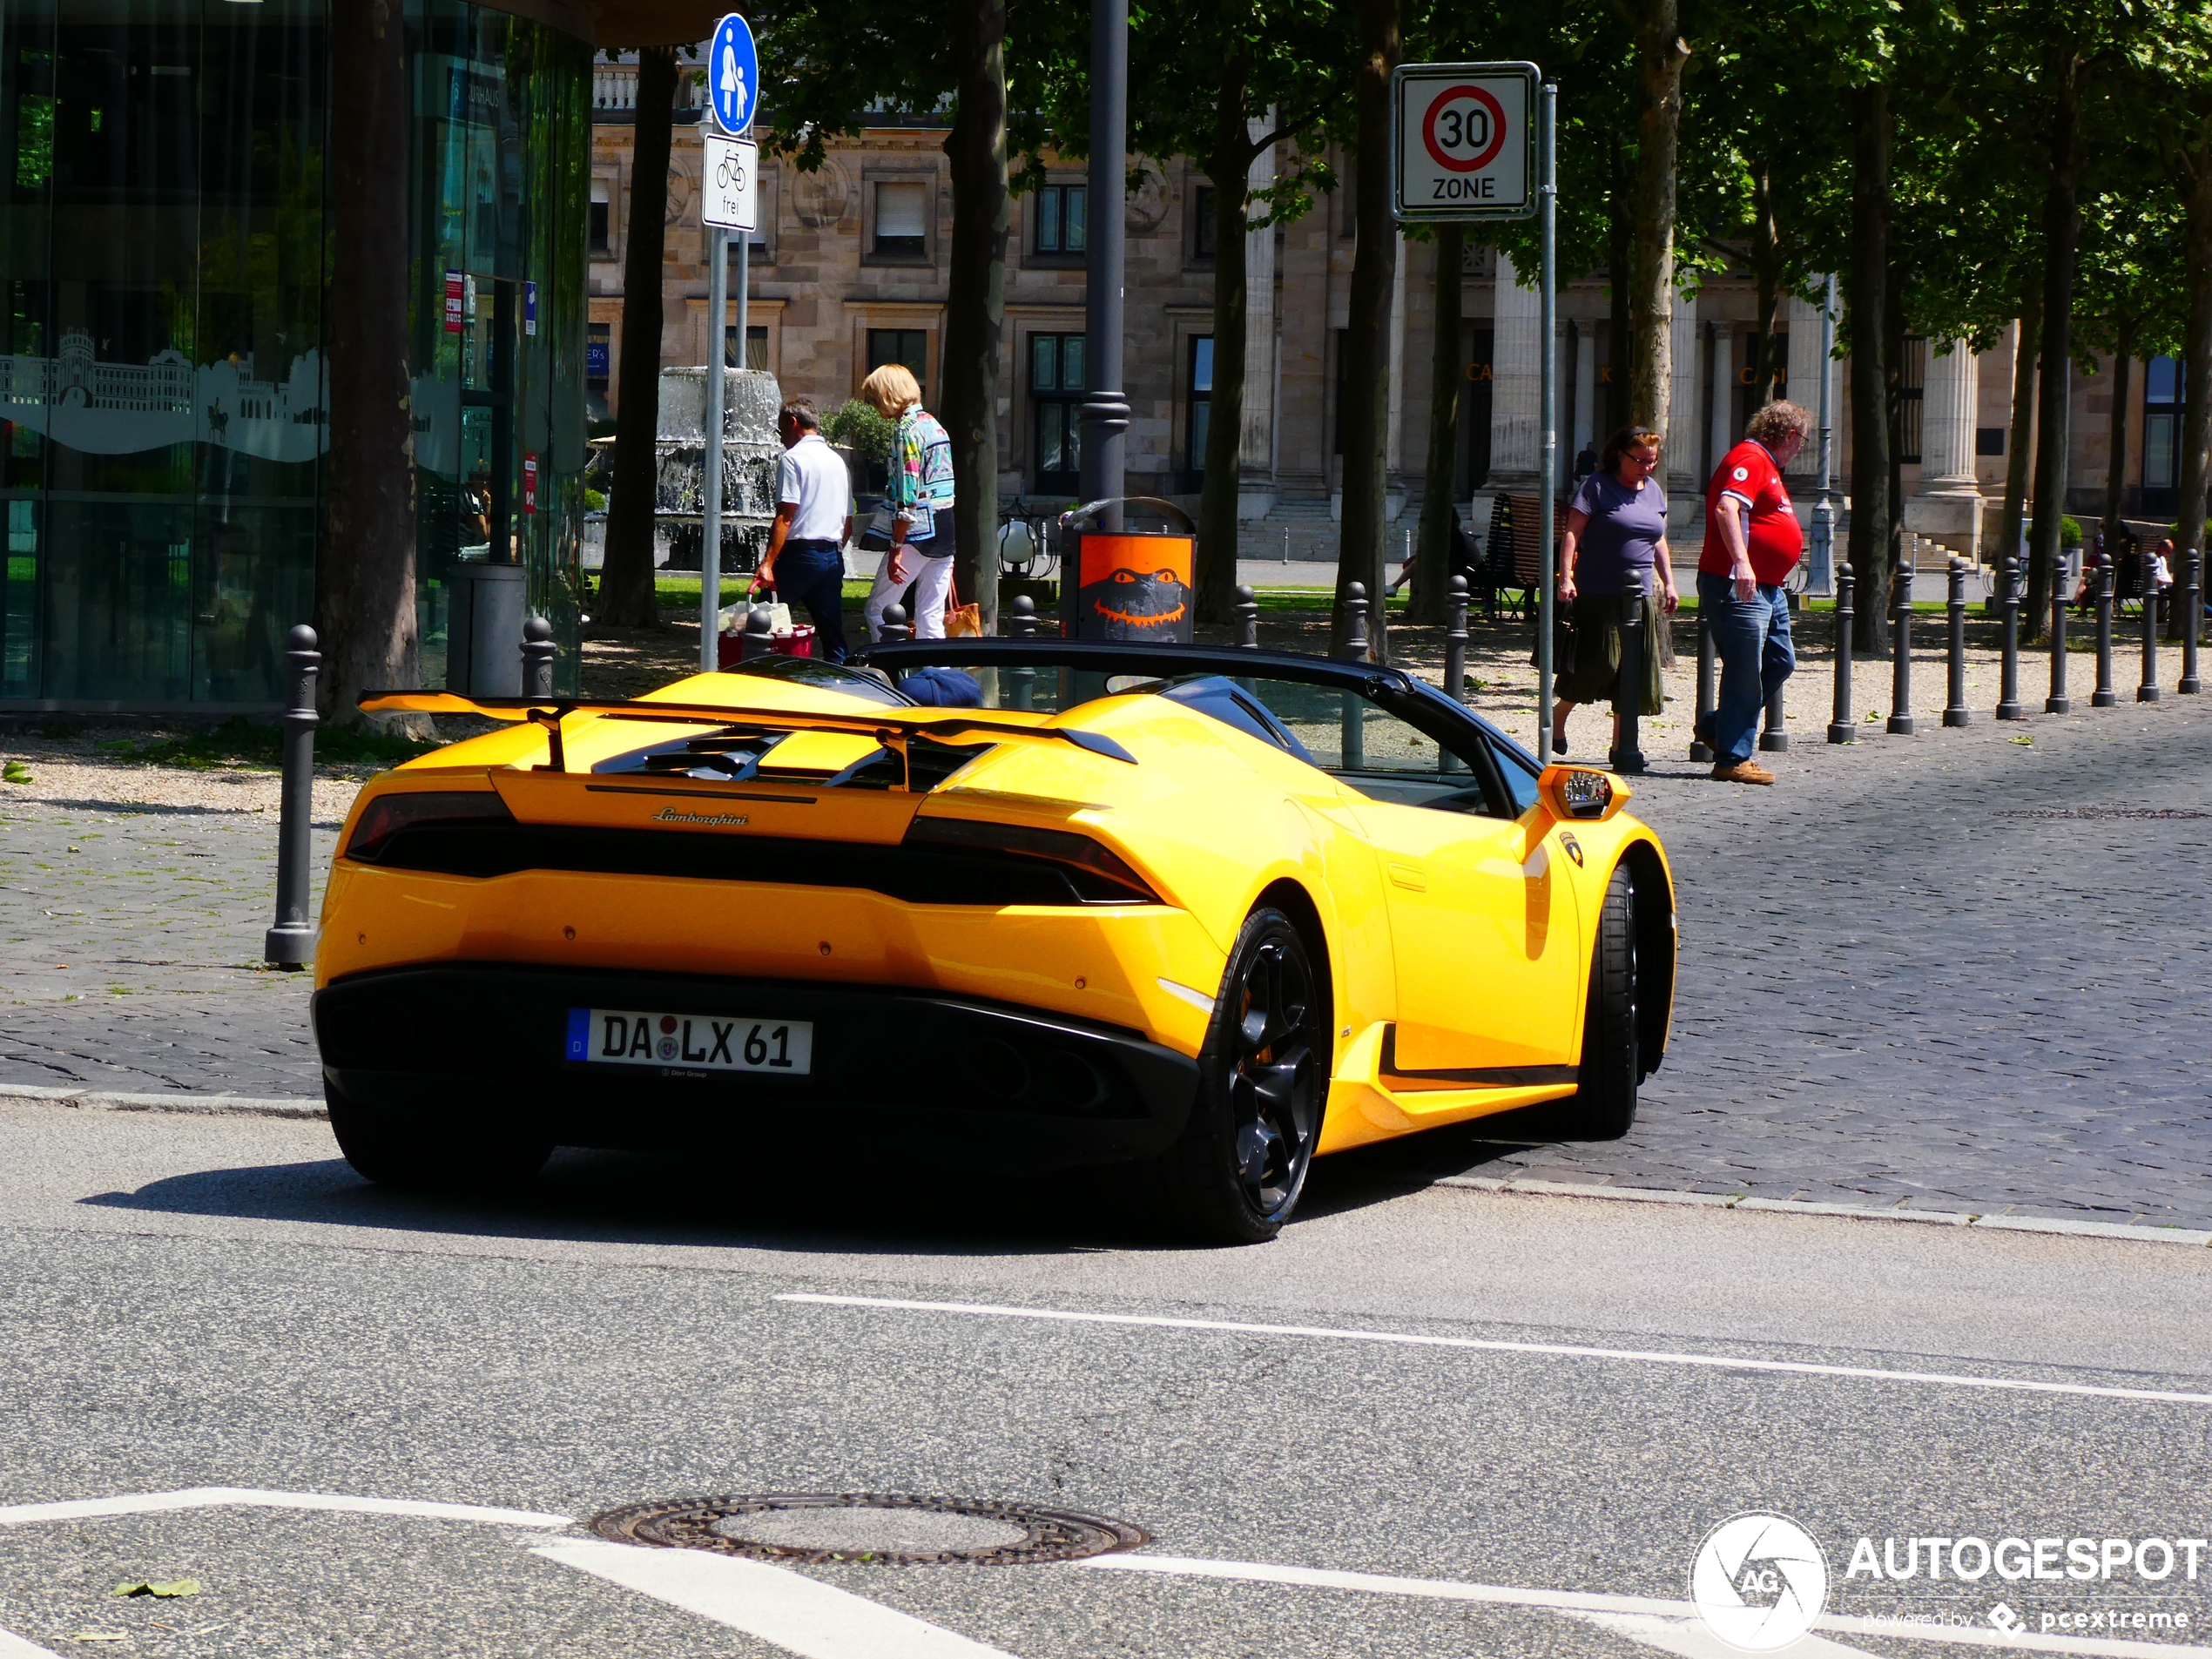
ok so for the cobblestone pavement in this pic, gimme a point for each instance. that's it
(1955, 971)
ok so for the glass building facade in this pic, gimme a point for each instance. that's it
(165, 253)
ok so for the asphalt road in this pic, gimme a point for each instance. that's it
(218, 1303)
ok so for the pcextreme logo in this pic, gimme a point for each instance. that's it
(1758, 1582)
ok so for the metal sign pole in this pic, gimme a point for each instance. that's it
(718, 277)
(1547, 219)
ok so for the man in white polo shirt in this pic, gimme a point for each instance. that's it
(806, 556)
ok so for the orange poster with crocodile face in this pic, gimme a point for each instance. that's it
(1136, 588)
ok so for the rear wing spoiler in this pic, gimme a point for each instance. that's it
(892, 728)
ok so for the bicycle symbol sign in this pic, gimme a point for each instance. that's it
(730, 185)
(1464, 141)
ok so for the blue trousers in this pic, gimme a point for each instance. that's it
(1751, 639)
(814, 573)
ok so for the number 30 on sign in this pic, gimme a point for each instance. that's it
(1463, 141)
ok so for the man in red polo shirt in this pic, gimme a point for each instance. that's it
(1752, 542)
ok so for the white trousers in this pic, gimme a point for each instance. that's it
(931, 579)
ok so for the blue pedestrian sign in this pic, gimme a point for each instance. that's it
(733, 75)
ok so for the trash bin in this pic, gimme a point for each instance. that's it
(1133, 586)
(484, 620)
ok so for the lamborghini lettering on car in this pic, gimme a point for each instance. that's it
(1204, 914)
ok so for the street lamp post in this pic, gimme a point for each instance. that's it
(1105, 409)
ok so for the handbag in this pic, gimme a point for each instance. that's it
(877, 537)
(962, 621)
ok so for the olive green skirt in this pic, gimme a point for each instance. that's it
(1594, 675)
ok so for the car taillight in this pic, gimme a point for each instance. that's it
(1097, 873)
(388, 814)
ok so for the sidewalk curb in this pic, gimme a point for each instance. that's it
(93, 1100)
(2195, 1239)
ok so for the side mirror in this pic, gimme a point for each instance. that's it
(1581, 793)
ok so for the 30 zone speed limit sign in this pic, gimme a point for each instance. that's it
(1465, 140)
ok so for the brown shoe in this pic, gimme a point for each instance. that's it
(1744, 772)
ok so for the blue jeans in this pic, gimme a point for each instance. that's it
(1751, 639)
(814, 573)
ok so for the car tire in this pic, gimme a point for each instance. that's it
(397, 1149)
(1237, 1174)
(1603, 1106)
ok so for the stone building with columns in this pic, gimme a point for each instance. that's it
(849, 267)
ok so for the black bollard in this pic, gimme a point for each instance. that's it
(2103, 697)
(1022, 624)
(1839, 721)
(1708, 695)
(2148, 691)
(756, 641)
(1955, 711)
(1356, 645)
(1627, 754)
(2008, 695)
(291, 943)
(1900, 721)
(2057, 702)
(2192, 616)
(1455, 640)
(1774, 737)
(895, 627)
(1247, 620)
(537, 657)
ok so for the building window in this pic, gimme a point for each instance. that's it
(1201, 405)
(1064, 218)
(602, 221)
(908, 345)
(1912, 382)
(756, 345)
(1204, 209)
(902, 220)
(1056, 404)
(2162, 388)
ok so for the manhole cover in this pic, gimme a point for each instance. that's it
(869, 1527)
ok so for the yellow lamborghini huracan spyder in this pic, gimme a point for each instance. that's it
(1204, 913)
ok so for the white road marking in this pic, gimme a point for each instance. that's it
(1583, 1603)
(1561, 1350)
(793, 1612)
(14, 1647)
(1691, 1639)
(152, 1503)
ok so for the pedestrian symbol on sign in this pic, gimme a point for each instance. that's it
(732, 75)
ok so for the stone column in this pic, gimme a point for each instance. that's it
(1256, 436)
(1683, 409)
(1516, 413)
(1947, 503)
(1803, 389)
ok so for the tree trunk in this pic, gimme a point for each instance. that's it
(2017, 443)
(1660, 53)
(2197, 408)
(1367, 346)
(2061, 232)
(1229, 165)
(1869, 544)
(976, 312)
(1620, 258)
(1893, 368)
(1433, 565)
(626, 598)
(2123, 356)
(365, 567)
(1766, 266)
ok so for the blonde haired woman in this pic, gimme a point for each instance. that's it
(920, 499)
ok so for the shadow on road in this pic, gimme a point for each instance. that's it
(804, 1206)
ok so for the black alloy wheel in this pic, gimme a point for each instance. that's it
(396, 1150)
(1236, 1175)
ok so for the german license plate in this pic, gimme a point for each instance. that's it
(690, 1042)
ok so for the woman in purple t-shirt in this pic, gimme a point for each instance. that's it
(1615, 554)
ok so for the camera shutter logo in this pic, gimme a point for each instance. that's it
(1758, 1582)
